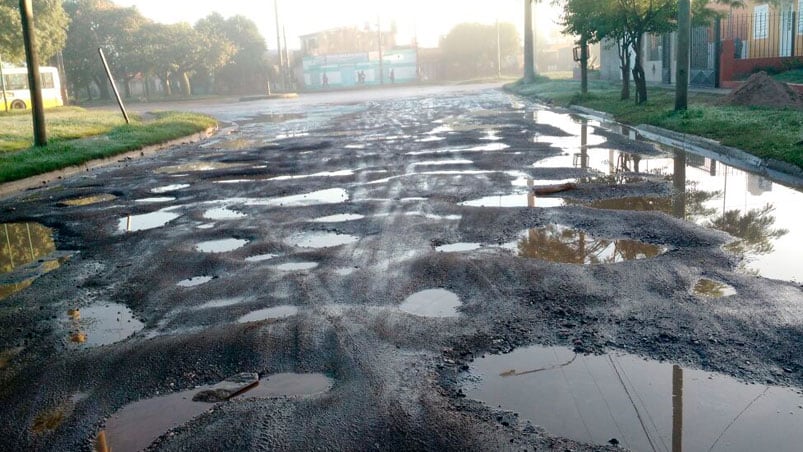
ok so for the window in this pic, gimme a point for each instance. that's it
(760, 19)
(16, 81)
(47, 80)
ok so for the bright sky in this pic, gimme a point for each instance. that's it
(428, 19)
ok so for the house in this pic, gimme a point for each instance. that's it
(759, 35)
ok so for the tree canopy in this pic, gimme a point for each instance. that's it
(470, 49)
(50, 29)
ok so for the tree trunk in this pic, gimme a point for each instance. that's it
(638, 73)
(682, 71)
(127, 87)
(624, 59)
(166, 83)
(529, 45)
(186, 88)
(103, 87)
(147, 86)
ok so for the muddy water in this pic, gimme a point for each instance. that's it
(102, 324)
(432, 303)
(220, 246)
(557, 243)
(27, 251)
(278, 312)
(147, 221)
(644, 405)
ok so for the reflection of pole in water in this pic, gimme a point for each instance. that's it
(679, 185)
(677, 408)
(530, 193)
(128, 224)
(584, 145)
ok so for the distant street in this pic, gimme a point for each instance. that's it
(419, 268)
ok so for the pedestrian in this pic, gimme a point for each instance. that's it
(392, 76)
(325, 80)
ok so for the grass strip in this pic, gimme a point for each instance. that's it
(769, 133)
(77, 136)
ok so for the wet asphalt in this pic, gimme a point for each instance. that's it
(292, 241)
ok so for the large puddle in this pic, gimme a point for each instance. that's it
(644, 405)
(321, 197)
(135, 426)
(27, 251)
(432, 303)
(761, 214)
(89, 200)
(556, 243)
(102, 324)
(515, 200)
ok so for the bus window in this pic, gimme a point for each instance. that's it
(16, 81)
(47, 80)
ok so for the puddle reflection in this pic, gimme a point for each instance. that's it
(556, 243)
(27, 251)
(97, 325)
(195, 281)
(278, 312)
(147, 221)
(713, 289)
(645, 405)
(221, 246)
(297, 266)
(88, 200)
(319, 240)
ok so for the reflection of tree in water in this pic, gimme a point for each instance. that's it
(558, 244)
(23, 243)
(753, 228)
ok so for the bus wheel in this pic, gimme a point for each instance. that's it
(18, 105)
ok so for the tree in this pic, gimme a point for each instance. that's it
(470, 49)
(50, 22)
(580, 18)
(248, 68)
(218, 49)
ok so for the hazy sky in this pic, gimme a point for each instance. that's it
(429, 19)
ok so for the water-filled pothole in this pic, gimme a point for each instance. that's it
(341, 173)
(556, 243)
(321, 197)
(195, 167)
(221, 246)
(169, 188)
(195, 281)
(155, 200)
(515, 200)
(261, 258)
(27, 251)
(88, 200)
(277, 312)
(639, 403)
(341, 218)
(297, 266)
(222, 303)
(317, 239)
(432, 303)
(713, 289)
(135, 426)
(458, 247)
(147, 221)
(102, 324)
(223, 213)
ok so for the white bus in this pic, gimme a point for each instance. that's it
(14, 92)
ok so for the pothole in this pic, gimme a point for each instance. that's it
(319, 240)
(341, 173)
(195, 281)
(195, 167)
(278, 312)
(147, 221)
(221, 246)
(223, 213)
(713, 289)
(135, 426)
(297, 266)
(432, 303)
(222, 303)
(639, 403)
(515, 200)
(341, 218)
(557, 243)
(102, 324)
(458, 247)
(261, 258)
(155, 200)
(27, 251)
(321, 197)
(88, 200)
(169, 188)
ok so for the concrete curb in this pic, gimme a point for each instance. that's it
(778, 171)
(49, 179)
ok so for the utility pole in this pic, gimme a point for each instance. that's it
(34, 79)
(529, 43)
(684, 39)
(279, 44)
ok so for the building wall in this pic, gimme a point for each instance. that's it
(343, 71)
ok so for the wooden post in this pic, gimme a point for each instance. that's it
(114, 85)
(34, 80)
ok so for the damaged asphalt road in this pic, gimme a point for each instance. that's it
(296, 243)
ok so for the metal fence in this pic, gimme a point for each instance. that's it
(764, 34)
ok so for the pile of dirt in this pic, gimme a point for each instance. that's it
(762, 90)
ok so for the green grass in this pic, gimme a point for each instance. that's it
(765, 132)
(76, 136)
(791, 76)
